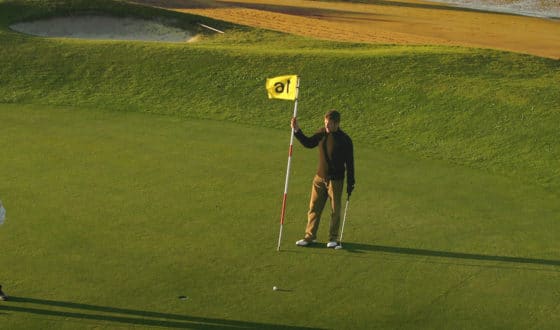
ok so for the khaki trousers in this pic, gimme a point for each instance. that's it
(321, 191)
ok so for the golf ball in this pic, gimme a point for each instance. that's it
(275, 288)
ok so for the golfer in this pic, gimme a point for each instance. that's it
(336, 156)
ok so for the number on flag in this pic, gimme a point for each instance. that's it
(282, 87)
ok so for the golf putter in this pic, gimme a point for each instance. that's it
(339, 246)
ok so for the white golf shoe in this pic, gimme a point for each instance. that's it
(303, 242)
(332, 244)
(3, 296)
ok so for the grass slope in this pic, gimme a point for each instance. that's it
(484, 109)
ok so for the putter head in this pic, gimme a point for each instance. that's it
(338, 247)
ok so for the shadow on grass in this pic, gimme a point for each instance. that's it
(359, 247)
(128, 316)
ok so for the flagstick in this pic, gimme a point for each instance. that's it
(288, 171)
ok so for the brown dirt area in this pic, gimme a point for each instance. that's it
(385, 21)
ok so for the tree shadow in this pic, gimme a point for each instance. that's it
(130, 316)
(359, 248)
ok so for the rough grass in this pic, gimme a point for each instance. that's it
(485, 109)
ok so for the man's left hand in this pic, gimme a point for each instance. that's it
(349, 189)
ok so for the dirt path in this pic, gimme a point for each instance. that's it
(386, 21)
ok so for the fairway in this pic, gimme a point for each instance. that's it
(120, 214)
(143, 181)
(409, 22)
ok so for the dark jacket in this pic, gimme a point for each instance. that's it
(336, 153)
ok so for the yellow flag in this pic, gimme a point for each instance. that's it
(282, 87)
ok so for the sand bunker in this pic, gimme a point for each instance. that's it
(104, 28)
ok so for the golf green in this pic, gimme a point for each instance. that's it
(113, 216)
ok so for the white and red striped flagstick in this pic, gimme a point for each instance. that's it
(288, 170)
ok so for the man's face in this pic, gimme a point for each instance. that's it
(331, 125)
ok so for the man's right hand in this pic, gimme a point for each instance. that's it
(294, 124)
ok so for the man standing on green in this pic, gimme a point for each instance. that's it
(336, 156)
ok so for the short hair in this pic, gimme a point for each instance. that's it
(333, 115)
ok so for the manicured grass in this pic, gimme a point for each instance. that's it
(134, 173)
(112, 216)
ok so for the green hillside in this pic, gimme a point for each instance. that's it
(486, 109)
